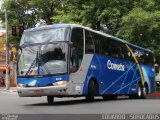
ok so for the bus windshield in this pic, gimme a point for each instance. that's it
(44, 35)
(43, 59)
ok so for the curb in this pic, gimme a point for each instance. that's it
(155, 95)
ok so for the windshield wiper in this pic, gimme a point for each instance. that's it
(39, 62)
(33, 63)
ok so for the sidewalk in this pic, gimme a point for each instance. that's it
(11, 89)
(154, 95)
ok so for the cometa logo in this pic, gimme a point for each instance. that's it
(114, 66)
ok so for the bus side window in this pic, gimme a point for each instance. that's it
(90, 45)
(114, 48)
(76, 50)
(130, 56)
(105, 46)
(124, 52)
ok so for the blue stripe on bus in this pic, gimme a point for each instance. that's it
(44, 81)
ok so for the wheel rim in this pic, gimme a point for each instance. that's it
(144, 91)
(139, 91)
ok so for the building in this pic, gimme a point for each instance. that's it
(3, 61)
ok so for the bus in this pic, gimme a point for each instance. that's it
(70, 60)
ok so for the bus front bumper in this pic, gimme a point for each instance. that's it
(42, 91)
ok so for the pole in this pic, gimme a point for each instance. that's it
(7, 53)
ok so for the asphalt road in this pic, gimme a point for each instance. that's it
(11, 103)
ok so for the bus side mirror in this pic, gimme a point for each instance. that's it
(156, 68)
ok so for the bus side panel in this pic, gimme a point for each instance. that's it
(130, 80)
(113, 80)
(149, 77)
(121, 78)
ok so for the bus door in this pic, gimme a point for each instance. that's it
(76, 57)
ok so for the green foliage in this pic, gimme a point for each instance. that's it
(158, 89)
(142, 28)
(29, 13)
(137, 21)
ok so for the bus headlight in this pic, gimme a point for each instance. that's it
(60, 83)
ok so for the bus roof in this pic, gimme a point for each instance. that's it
(47, 27)
(136, 46)
(87, 28)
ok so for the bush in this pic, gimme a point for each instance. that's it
(158, 89)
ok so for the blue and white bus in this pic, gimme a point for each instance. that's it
(69, 60)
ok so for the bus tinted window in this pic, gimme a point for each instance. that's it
(143, 57)
(90, 42)
(124, 52)
(114, 48)
(105, 47)
(96, 43)
(76, 51)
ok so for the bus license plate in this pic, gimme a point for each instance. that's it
(38, 92)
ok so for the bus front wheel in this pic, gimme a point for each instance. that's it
(50, 99)
(91, 92)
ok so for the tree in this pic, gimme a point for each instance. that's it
(97, 14)
(29, 13)
(136, 21)
(142, 28)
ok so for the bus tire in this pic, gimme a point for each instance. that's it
(91, 92)
(145, 92)
(50, 99)
(139, 92)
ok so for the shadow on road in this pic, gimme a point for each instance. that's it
(74, 102)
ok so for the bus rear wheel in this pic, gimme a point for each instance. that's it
(145, 92)
(138, 95)
(139, 92)
(50, 99)
(91, 92)
(142, 92)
